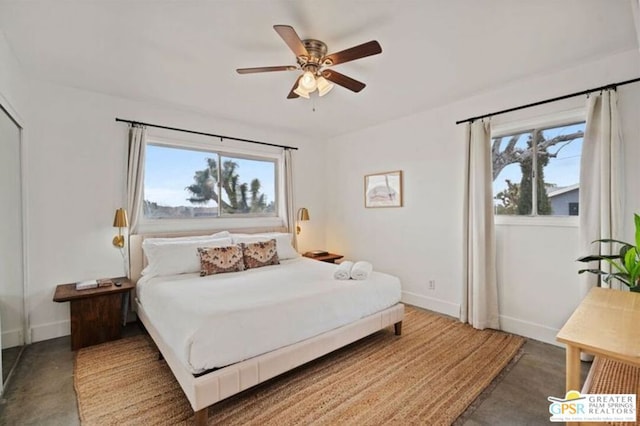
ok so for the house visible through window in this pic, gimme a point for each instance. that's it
(537, 172)
(182, 183)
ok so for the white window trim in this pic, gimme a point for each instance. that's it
(560, 118)
(547, 221)
(229, 148)
(574, 115)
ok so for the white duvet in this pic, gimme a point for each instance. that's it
(222, 319)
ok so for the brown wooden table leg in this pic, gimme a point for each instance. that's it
(573, 368)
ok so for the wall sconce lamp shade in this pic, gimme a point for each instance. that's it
(302, 214)
(120, 221)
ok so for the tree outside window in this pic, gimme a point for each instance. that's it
(537, 172)
(227, 189)
(185, 183)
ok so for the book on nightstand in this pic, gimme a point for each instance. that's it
(316, 253)
(87, 284)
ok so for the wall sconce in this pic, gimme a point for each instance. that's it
(120, 221)
(303, 214)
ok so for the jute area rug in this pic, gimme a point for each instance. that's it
(427, 376)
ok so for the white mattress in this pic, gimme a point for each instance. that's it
(222, 319)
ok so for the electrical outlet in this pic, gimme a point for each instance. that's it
(432, 284)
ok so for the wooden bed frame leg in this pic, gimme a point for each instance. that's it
(398, 328)
(201, 417)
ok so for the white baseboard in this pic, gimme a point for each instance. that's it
(12, 338)
(50, 330)
(529, 329)
(517, 326)
(437, 305)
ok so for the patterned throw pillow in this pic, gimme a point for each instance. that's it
(260, 254)
(217, 260)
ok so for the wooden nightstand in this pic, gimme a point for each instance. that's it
(96, 313)
(329, 257)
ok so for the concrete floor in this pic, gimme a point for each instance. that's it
(9, 358)
(41, 389)
(40, 392)
(520, 397)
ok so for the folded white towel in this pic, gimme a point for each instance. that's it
(343, 271)
(361, 270)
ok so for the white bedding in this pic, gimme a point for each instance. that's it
(222, 319)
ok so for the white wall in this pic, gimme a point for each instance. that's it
(13, 86)
(77, 163)
(537, 277)
(423, 240)
(420, 241)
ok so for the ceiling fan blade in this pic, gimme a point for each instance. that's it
(292, 94)
(266, 69)
(356, 52)
(343, 80)
(290, 37)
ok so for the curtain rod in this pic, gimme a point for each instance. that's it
(204, 133)
(559, 98)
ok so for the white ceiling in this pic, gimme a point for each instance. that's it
(184, 53)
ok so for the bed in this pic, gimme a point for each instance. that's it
(224, 333)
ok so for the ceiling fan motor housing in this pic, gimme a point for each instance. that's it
(317, 50)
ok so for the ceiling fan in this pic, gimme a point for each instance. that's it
(313, 61)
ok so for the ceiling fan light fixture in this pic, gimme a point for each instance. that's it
(300, 91)
(324, 86)
(308, 81)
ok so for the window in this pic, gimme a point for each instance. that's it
(537, 172)
(187, 183)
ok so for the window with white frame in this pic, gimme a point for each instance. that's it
(182, 182)
(536, 172)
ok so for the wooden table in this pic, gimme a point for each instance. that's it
(96, 313)
(606, 323)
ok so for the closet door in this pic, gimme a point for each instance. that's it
(11, 253)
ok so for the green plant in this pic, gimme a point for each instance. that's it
(625, 266)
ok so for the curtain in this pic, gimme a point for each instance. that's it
(600, 180)
(480, 296)
(289, 201)
(135, 174)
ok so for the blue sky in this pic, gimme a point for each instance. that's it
(170, 170)
(563, 170)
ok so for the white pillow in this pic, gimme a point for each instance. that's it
(283, 242)
(176, 257)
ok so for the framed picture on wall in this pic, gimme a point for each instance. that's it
(383, 189)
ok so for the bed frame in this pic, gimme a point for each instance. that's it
(205, 390)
